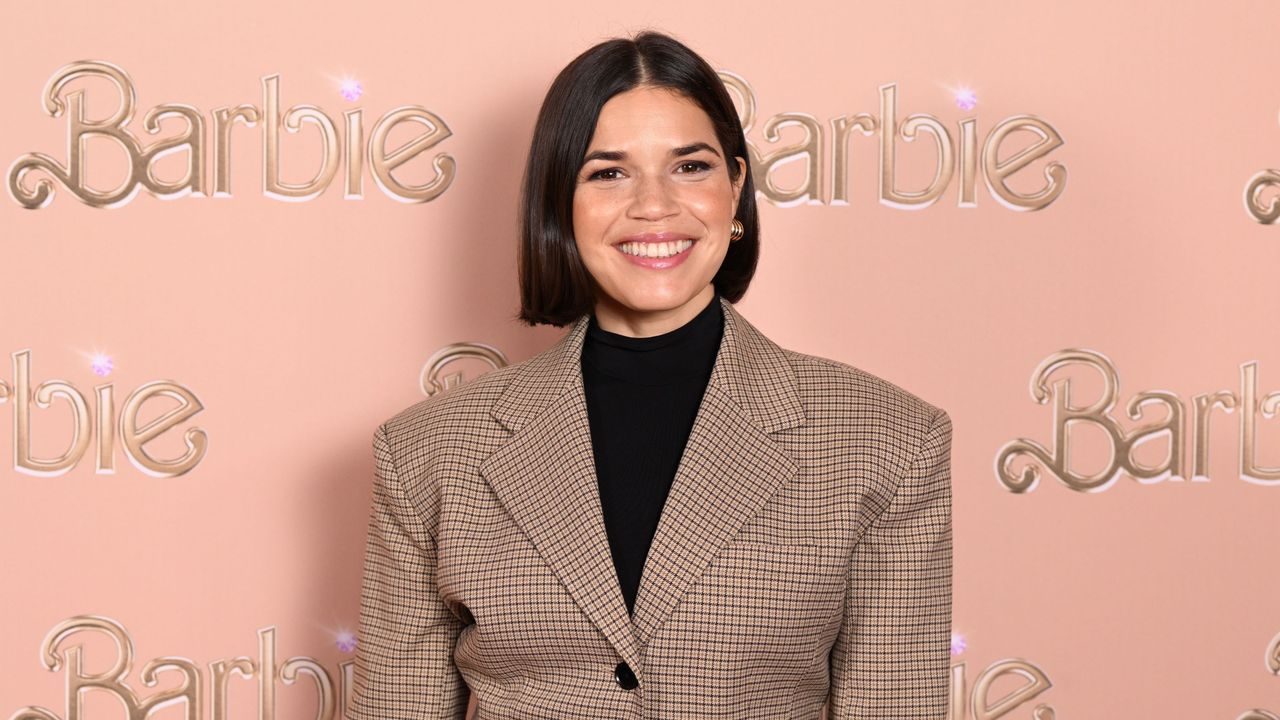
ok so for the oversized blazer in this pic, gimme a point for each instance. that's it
(803, 555)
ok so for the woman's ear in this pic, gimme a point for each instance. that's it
(737, 185)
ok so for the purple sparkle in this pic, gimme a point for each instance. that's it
(966, 99)
(351, 90)
(102, 365)
(346, 641)
(958, 644)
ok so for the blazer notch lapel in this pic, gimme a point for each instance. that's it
(732, 464)
(544, 476)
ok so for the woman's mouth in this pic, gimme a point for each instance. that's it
(656, 255)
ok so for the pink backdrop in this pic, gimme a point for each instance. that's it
(301, 325)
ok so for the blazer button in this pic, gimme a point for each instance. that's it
(626, 678)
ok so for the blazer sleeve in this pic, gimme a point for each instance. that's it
(404, 653)
(892, 657)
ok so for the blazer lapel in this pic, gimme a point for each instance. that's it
(730, 467)
(545, 477)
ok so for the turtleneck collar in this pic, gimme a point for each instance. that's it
(687, 351)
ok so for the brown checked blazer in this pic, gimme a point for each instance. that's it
(803, 555)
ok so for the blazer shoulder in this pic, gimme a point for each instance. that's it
(449, 417)
(821, 379)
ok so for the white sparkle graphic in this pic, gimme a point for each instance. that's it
(346, 641)
(351, 89)
(101, 364)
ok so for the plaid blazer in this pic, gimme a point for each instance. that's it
(803, 556)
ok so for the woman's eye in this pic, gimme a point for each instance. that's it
(698, 166)
(599, 173)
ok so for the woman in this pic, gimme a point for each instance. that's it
(664, 515)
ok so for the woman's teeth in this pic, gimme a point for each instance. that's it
(655, 250)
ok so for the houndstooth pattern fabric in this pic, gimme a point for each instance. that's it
(803, 556)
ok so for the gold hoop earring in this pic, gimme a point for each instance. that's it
(736, 230)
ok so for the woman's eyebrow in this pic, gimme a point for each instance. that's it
(615, 155)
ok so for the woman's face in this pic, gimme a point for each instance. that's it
(653, 206)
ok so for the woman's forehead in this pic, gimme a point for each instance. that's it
(651, 119)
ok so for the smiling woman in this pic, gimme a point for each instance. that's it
(665, 514)
(654, 193)
(636, 176)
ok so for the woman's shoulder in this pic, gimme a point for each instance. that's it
(828, 383)
(455, 414)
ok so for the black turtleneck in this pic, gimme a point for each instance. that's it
(642, 396)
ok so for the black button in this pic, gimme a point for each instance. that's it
(626, 678)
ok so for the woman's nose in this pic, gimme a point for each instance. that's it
(654, 197)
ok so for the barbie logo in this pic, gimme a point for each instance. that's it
(101, 422)
(965, 155)
(194, 683)
(1100, 413)
(346, 151)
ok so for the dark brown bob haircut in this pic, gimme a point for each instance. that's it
(555, 286)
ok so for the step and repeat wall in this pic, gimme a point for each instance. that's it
(239, 236)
